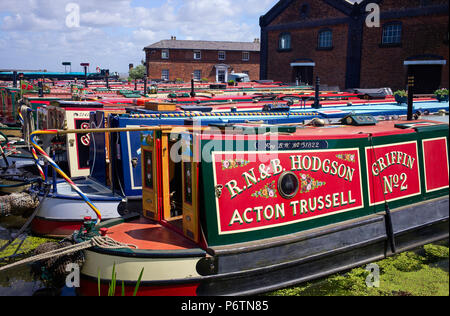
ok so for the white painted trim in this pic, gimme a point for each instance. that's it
(424, 62)
(303, 64)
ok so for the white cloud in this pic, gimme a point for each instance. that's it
(114, 32)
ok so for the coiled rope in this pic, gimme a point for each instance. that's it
(103, 242)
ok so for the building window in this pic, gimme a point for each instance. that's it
(197, 74)
(197, 55)
(284, 41)
(245, 56)
(222, 55)
(392, 34)
(165, 74)
(165, 54)
(325, 39)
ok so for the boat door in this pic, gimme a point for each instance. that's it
(190, 188)
(150, 175)
(170, 182)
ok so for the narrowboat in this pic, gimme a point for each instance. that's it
(246, 208)
(114, 178)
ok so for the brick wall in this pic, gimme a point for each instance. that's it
(315, 10)
(181, 64)
(330, 64)
(383, 66)
(425, 32)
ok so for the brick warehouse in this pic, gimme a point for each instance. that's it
(302, 39)
(180, 59)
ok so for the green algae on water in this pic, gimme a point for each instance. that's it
(420, 273)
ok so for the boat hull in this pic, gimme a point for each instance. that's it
(61, 213)
(258, 267)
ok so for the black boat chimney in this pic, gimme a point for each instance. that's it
(107, 78)
(192, 86)
(85, 66)
(316, 97)
(15, 79)
(41, 89)
(410, 97)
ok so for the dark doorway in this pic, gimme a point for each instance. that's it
(427, 78)
(304, 75)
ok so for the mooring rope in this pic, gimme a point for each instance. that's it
(103, 242)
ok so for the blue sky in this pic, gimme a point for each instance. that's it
(34, 34)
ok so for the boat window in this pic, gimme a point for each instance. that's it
(288, 185)
(187, 183)
(148, 169)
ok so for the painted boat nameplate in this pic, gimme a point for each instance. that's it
(292, 145)
(260, 190)
(393, 172)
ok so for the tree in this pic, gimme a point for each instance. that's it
(137, 72)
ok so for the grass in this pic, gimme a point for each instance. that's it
(27, 247)
(420, 273)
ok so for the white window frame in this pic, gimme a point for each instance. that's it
(199, 52)
(325, 39)
(163, 76)
(197, 74)
(222, 55)
(245, 56)
(163, 52)
(392, 34)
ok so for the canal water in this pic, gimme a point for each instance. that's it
(20, 281)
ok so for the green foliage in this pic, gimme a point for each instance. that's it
(401, 93)
(137, 72)
(205, 80)
(27, 246)
(441, 92)
(112, 284)
(436, 252)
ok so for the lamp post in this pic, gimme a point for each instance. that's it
(85, 65)
(67, 64)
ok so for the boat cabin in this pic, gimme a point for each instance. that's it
(221, 185)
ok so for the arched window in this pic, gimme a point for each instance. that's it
(392, 33)
(284, 42)
(325, 39)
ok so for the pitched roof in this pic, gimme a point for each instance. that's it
(206, 45)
